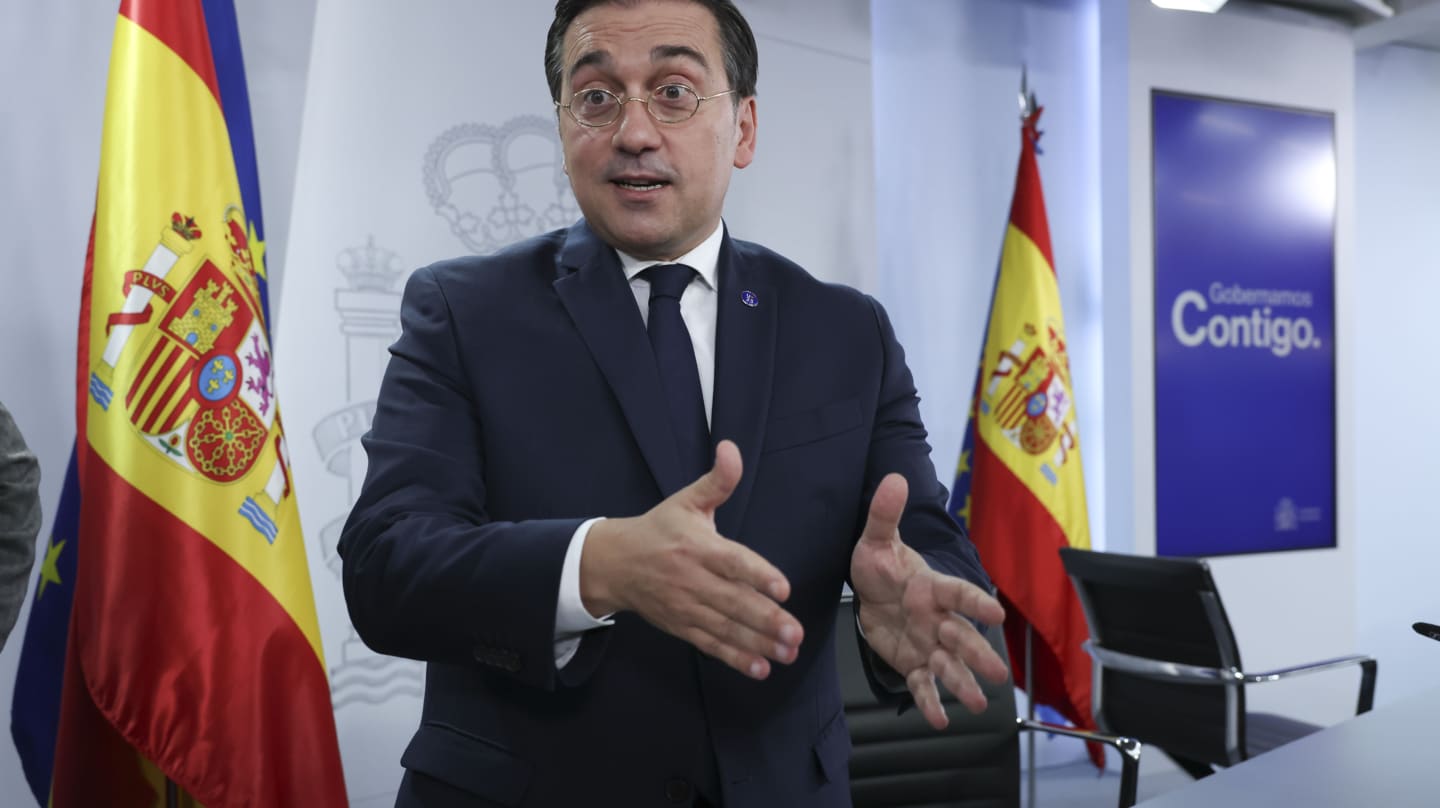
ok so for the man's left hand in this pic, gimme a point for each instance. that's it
(917, 619)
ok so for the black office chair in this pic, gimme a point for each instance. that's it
(901, 760)
(1167, 669)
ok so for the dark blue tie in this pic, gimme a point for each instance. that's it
(675, 358)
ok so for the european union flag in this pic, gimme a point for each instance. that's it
(35, 714)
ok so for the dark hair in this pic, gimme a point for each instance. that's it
(741, 57)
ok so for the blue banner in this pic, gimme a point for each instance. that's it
(1244, 327)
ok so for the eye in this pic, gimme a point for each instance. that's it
(675, 99)
(593, 98)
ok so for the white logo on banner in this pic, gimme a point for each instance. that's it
(1289, 516)
(1258, 328)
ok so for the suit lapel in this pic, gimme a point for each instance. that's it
(593, 289)
(744, 368)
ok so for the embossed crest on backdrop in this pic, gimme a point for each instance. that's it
(493, 185)
(496, 185)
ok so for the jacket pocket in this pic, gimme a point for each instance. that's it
(467, 762)
(809, 426)
(832, 749)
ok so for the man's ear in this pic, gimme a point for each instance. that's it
(745, 122)
(560, 131)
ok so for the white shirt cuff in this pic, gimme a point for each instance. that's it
(571, 618)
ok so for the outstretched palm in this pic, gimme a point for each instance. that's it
(916, 618)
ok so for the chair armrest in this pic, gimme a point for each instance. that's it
(1309, 667)
(1196, 674)
(1129, 750)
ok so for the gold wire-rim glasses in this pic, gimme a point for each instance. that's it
(680, 113)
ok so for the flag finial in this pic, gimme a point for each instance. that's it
(1028, 105)
(1030, 110)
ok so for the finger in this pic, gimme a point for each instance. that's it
(961, 639)
(736, 562)
(958, 680)
(742, 598)
(886, 506)
(753, 665)
(963, 597)
(772, 636)
(716, 485)
(922, 687)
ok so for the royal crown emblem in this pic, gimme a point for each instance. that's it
(495, 185)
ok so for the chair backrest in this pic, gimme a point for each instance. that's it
(1164, 609)
(901, 760)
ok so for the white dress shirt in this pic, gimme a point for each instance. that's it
(698, 308)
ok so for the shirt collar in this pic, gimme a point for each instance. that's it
(703, 259)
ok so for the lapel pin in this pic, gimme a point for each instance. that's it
(748, 298)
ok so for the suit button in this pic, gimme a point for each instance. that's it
(677, 790)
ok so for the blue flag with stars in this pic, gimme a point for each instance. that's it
(35, 713)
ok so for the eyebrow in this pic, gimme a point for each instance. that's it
(659, 53)
(596, 57)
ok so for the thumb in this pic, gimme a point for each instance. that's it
(716, 485)
(886, 506)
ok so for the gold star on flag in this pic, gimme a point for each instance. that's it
(964, 467)
(49, 572)
(964, 513)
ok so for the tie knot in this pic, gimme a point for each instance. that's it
(668, 280)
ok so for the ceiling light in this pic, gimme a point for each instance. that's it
(1207, 6)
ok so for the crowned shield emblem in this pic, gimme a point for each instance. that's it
(200, 387)
(1028, 395)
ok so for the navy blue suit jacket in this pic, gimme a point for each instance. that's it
(522, 398)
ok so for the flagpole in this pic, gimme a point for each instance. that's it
(1030, 713)
(172, 794)
(1027, 108)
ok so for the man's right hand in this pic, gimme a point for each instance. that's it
(670, 567)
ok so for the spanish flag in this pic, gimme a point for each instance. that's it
(1019, 488)
(193, 652)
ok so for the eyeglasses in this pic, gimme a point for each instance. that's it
(668, 103)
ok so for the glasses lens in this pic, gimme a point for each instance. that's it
(673, 103)
(594, 107)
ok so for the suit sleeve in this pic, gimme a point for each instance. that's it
(427, 573)
(899, 444)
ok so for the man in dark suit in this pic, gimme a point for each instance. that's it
(747, 431)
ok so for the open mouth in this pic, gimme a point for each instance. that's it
(640, 185)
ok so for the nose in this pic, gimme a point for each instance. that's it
(636, 131)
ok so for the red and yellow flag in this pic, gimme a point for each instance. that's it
(194, 648)
(1019, 488)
